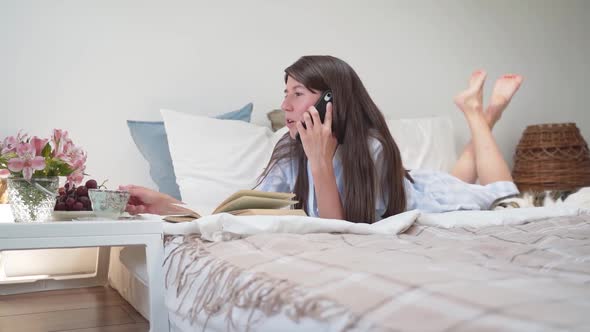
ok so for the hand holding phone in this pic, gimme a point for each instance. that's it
(320, 106)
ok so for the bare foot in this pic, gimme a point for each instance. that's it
(471, 100)
(504, 89)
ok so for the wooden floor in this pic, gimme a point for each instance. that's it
(95, 309)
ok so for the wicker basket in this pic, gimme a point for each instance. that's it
(551, 156)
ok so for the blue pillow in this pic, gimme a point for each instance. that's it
(152, 141)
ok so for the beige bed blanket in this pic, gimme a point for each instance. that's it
(534, 277)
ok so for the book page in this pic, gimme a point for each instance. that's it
(255, 193)
(182, 217)
(177, 219)
(251, 202)
(271, 212)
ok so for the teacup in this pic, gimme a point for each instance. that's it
(108, 203)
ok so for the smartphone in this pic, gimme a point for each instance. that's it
(321, 104)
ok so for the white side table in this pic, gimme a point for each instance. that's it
(77, 234)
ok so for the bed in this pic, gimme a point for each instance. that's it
(521, 277)
(456, 272)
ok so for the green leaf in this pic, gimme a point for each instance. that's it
(57, 167)
(40, 173)
(63, 168)
(10, 155)
(46, 152)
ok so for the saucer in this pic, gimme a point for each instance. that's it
(86, 216)
(71, 215)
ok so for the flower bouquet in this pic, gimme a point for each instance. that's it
(33, 165)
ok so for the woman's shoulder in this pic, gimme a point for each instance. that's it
(375, 145)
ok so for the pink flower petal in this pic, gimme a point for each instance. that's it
(75, 177)
(27, 173)
(59, 137)
(38, 144)
(9, 144)
(25, 150)
(38, 163)
(10, 140)
(16, 164)
(4, 173)
(21, 137)
(58, 134)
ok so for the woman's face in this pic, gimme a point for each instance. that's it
(297, 101)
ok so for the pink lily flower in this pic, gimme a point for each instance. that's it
(64, 149)
(73, 155)
(59, 138)
(39, 144)
(76, 177)
(76, 158)
(58, 134)
(26, 161)
(9, 144)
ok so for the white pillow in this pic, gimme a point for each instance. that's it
(213, 158)
(425, 143)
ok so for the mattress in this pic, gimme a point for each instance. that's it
(530, 277)
(128, 275)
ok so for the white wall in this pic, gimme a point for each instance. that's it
(87, 66)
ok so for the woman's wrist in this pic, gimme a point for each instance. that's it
(321, 168)
(165, 198)
(326, 189)
(174, 208)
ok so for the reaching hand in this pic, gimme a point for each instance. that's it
(144, 200)
(318, 140)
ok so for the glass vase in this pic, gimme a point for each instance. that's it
(3, 185)
(32, 200)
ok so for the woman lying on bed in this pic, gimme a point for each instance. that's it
(349, 167)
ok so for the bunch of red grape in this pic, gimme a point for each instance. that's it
(72, 198)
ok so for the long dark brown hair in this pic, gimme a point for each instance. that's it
(356, 118)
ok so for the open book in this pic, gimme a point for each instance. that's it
(249, 202)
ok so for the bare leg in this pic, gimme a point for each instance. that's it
(490, 165)
(504, 89)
